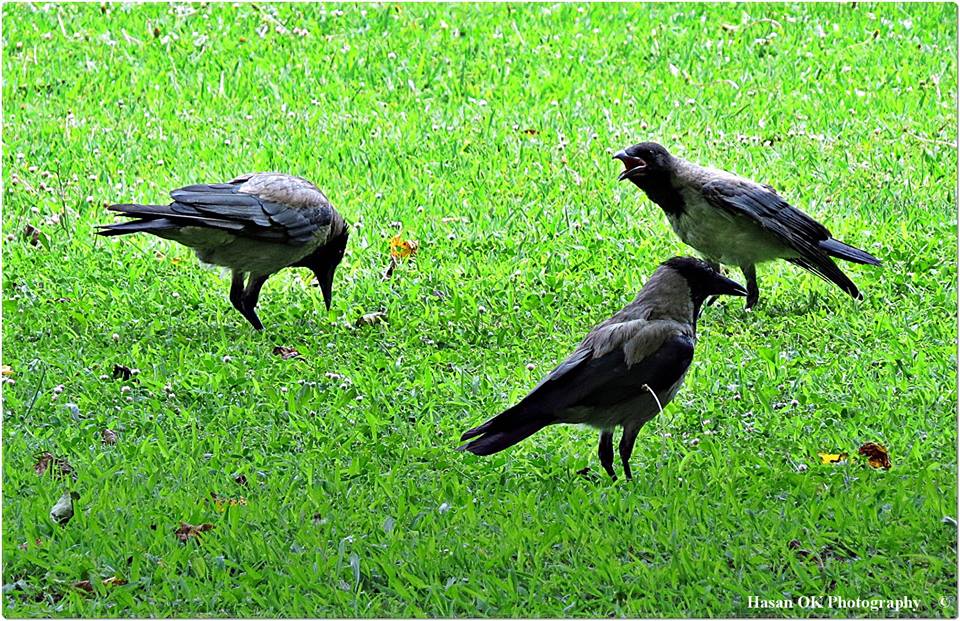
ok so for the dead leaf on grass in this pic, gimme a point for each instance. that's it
(402, 248)
(832, 458)
(123, 372)
(222, 502)
(877, 455)
(286, 352)
(59, 468)
(187, 531)
(32, 234)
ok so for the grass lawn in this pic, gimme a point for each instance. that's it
(485, 133)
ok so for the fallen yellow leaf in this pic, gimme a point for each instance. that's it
(832, 458)
(6, 370)
(221, 502)
(402, 248)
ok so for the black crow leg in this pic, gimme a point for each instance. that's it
(250, 297)
(606, 453)
(753, 291)
(236, 291)
(626, 447)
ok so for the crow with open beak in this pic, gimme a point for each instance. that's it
(256, 225)
(623, 373)
(732, 220)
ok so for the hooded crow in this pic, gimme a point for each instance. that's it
(256, 225)
(732, 220)
(623, 373)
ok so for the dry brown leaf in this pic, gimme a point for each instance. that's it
(286, 352)
(108, 436)
(531, 132)
(876, 455)
(186, 531)
(59, 468)
(84, 585)
(32, 234)
(122, 372)
(402, 248)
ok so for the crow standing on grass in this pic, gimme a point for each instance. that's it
(623, 372)
(256, 225)
(735, 221)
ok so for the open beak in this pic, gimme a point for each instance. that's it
(632, 166)
(724, 286)
(325, 278)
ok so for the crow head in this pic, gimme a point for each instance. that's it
(702, 279)
(644, 159)
(324, 261)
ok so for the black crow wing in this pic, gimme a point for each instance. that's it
(585, 380)
(765, 207)
(792, 227)
(269, 207)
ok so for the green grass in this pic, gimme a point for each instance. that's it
(502, 118)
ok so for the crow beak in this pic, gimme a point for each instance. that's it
(724, 286)
(325, 278)
(632, 166)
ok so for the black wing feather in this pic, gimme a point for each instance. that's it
(766, 208)
(585, 381)
(792, 227)
(222, 206)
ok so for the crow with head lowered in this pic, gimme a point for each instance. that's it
(256, 225)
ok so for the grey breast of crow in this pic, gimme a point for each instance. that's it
(735, 221)
(255, 224)
(623, 373)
